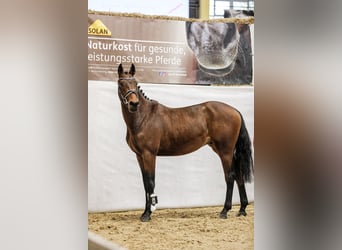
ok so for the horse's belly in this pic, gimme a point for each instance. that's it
(181, 147)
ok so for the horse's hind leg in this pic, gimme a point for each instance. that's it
(228, 163)
(229, 193)
(226, 160)
(147, 166)
(243, 197)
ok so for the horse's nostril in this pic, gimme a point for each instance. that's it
(134, 104)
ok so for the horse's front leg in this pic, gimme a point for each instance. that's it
(147, 166)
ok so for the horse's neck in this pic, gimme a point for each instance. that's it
(134, 120)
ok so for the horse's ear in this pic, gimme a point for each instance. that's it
(120, 70)
(132, 70)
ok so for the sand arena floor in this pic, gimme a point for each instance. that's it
(189, 228)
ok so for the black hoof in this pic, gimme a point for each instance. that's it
(241, 213)
(223, 215)
(145, 218)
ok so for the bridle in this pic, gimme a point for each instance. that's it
(129, 92)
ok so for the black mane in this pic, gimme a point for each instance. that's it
(143, 94)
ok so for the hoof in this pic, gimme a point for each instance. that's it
(145, 218)
(223, 215)
(241, 213)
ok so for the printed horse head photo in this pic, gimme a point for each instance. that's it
(222, 50)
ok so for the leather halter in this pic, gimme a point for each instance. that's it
(129, 92)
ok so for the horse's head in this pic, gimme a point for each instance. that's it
(128, 88)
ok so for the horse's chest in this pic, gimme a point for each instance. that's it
(138, 143)
(132, 143)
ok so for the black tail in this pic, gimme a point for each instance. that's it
(243, 159)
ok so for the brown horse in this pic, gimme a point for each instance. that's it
(156, 130)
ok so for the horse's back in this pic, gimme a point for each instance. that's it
(221, 111)
(206, 113)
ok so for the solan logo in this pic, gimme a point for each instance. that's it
(98, 29)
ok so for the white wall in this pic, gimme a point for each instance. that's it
(196, 179)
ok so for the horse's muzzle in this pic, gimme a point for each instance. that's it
(133, 106)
